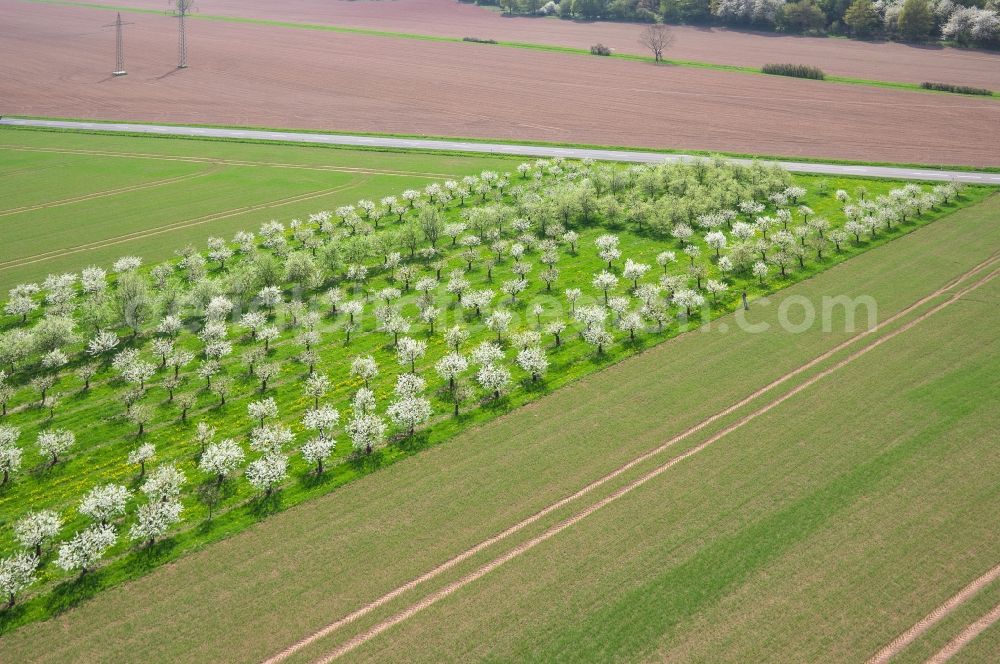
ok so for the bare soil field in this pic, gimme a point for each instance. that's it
(58, 61)
(873, 60)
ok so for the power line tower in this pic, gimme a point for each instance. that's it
(119, 46)
(181, 9)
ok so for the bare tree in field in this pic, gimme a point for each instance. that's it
(657, 38)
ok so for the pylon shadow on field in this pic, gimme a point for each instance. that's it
(173, 71)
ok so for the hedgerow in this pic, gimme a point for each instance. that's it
(798, 71)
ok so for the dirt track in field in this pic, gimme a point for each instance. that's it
(449, 18)
(963, 638)
(105, 193)
(57, 62)
(900, 643)
(174, 226)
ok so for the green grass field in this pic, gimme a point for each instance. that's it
(253, 594)
(110, 196)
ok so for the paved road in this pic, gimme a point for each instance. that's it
(902, 173)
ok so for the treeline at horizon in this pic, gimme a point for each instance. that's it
(963, 22)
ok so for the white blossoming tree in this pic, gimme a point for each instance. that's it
(410, 411)
(598, 337)
(366, 430)
(154, 520)
(17, 573)
(164, 483)
(267, 472)
(55, 442)
(316, 387)
(450, 367)
(10, 454)
(498, 322)
(532, 359)
(36, 529)
(322, 420)
(221, 459)
(605, 281)
(141, 455)
(262, 410)
(105, 503)
(634, 271)
(409, 350)
(86, 548)
(317, 450)
(493, 378)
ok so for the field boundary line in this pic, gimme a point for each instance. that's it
(454, 586)
(108, 192)
(965, 636)
(230, 162)
(138, 235)
(898, 644)
(468, 553)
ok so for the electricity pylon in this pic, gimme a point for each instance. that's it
(119, 46)
(181, 9)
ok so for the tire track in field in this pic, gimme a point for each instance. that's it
(109, 192)
(231, 162)
(965, 636)
(139, 235)
(468, 553)
(523, 548)
(898, 644)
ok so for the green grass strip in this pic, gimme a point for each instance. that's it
(550, 48)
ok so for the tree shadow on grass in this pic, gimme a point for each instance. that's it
(309, 479)
(12, 617)
(640, 342)
(45, 467)
(70, 593)
(149, 557)
(418, 441)
(496, 406)
(535, 387)
(136, 481)
(264, 505)
(366, 463)
(600, 359)
(210, 493)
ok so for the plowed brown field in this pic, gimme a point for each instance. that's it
(880, 61)
(57, 62)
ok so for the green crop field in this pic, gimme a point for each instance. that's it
(247, 341)
(885, 464)
(817, 532)
(68, 200)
